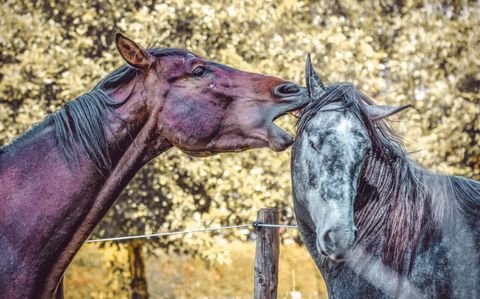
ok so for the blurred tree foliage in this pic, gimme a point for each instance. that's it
(421, 52)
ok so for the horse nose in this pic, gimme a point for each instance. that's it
(286, 90)
(337, 243)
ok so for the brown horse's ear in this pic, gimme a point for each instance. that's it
(133, 54)
(377, 112)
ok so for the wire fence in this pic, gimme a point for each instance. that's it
(255, 225)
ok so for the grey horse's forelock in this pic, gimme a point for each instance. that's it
(380, 132)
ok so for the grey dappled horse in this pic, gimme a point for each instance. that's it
(377, 224)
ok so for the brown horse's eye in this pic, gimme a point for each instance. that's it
(200, 71)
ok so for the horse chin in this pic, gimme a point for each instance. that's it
(278, 139)
(337, 258)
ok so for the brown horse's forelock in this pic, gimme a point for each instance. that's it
(82, 121)
(397, 200)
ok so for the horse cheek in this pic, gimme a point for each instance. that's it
(192, 122)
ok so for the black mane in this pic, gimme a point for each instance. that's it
(397, 200)
(83, 120)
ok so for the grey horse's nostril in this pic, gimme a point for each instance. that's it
(339, 256)
(329, 240)
(355, 233)
(287, 89)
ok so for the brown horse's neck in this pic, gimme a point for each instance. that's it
(49, 208)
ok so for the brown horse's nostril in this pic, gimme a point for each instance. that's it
(287, 89)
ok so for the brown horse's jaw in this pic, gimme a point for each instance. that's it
(269, 136)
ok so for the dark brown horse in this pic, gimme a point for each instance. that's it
(59, 179)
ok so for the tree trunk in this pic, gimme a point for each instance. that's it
(138, 280)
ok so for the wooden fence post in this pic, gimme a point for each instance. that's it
(266, 256)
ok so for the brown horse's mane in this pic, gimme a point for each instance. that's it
(398, 202)
(82, 121)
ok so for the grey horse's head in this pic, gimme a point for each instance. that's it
(328, 154)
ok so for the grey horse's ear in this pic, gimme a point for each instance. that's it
(315, 86)
(377, 112)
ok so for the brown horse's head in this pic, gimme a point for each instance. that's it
(203, 107)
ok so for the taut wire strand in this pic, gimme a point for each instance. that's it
(184, 232)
